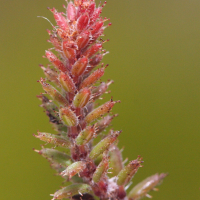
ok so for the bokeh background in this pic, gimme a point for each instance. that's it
(154, 59)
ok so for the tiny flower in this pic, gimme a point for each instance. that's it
(141, 189)
(82, 98)
(68, 116)
(71, 190)
(103, 145)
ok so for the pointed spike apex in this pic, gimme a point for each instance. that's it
(79, 67)
(54, 139)
(85, 135)
(116, 161)
(142, 189)
(101, 170)
(100, 111)
(103, 145)
(53, 93)
(55, 61)
(74, 169)
(83, 39)
(55, 156)
(92, 78)
(127, 173)
(68, 117)
(71, 12)
(82, 98)
(82, 22)
(71, 190)
(67, 82)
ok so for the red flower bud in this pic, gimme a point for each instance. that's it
(71, 12)
(96, 27)
(92, 50)
(91, 9)
(96, 60)
(83, 39)
(93, 78)
(79, 67)
(96, 15)
(55, 61)
(82, 22)
(69, 52)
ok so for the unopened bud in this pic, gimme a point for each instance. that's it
(100, 170)
(50, 74)
(100, 111)
(82, 98)
(96, 27)
(79, 67)
(71, 190)
(68, 117)
(104, 123)
(127, 173)
(96, 60)
(69, 52)
(103, 145)
(71, 12)
(85, 135)
(82, 22)
(141, 189)
(55, 61)
(54, 139)
(96, 14)
(53, 93)
(73, 169)
(93, 50)
(116, 162)
(83, 39)
(67, 82)
(55, 156)
(92, 78)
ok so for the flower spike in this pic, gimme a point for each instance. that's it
(91, 160)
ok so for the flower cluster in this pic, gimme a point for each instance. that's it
(90, 159)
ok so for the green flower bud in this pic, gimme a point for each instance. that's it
(82, 98)
(101, 110)
(49, 89)
(72, 190)
(127, 173)
(54, 139)
(116, 162)
(141, 189)
(103, 145)
(86, 135)
(73, 169)
(68, 117)
(100, 170)
(55, 156)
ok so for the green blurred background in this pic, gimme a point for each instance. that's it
(154, 59)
